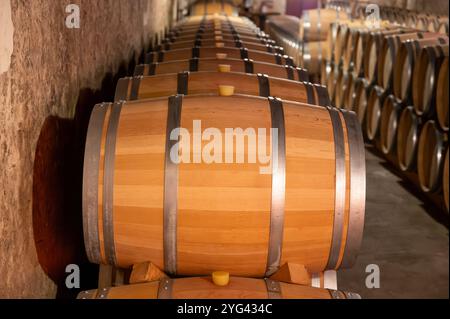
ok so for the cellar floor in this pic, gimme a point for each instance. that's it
(405, 237)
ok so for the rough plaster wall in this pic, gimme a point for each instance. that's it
(49, 65)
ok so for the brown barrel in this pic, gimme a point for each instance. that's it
(325, 69)
(331, 40)
(445, 180)
(404, 66)
(373, 48)
(353, 40)
(212, 31)
(426, 77)
(349, 93)
(442, 95)
(213, 64)
(204, 288)
(194, 218)
(284, 30)
(340, 87)
(212, 52)
(390, 116)
(312, 54)
(216, 19)
(213, 7)
(443, 27)
(375, 102)
(219, 36)
(186, 30)
(209, 82)
(430, 160)
(408, 139)
(314, 23)
(360, 47)
(360, 99)
(217, 43)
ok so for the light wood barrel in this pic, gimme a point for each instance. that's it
(136, 88)
(312, 54)
(425, 78)
(340, 87)
(331, 39)
(408, 139)
(375, 102)
(390, 116)
(404, 66)
(219, 36)
(217, 43)
(209, 8)
(212, 31)
(325, 69)
(349, 93)
(360, 100)
(360, 47)
(192, 219)
(212, 19)
(213, 52)
(445, 180)
(430, 160)
(443, 27)
(388, 54)
(442, 95)
(213, 64)
(374, 42)
(204, 288)
(314, 23)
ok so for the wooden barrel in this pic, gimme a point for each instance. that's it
(215, 64)
(425, 78)
(352, 40)
(388, 53)
(390, 116)
(208, 8)
(443, 27)
(204, 288)
(408, 139)
(314, 23)
(325, 69)
(445, 180)
(331, 40)
(213, 52)
(332, 79)
(211, 32)
(312, 54)
(404, 65)
(442, 94)
(217, 43)
(340, 87)
(360, 47)
(373, 49)
(185, 30)
(219, 37)
(209, 82)
(214, 19)
(205, 214)
(360, 100)
(430, 161)
(375, 102)
(349, 93)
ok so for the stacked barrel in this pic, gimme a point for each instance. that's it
(394, 75)
(260, 235)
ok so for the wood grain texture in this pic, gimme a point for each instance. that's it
(224, 209)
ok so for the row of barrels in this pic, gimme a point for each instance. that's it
(191, 219)
(396, 79)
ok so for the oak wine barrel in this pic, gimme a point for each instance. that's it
(209, 8)
(408, 139)
(212, 52)
(362, 89)
(314, 25)
(430, 161)
(404, 65)
(390, 116)
(215, 64)
(135, 88)
(311, 57)
(442, 95)
(349, 94)
(425, 78)
(211, 31)
(340, 87)
(219, 36)
(204, 288)
(375, 101)
(194, 218)
(218, 43)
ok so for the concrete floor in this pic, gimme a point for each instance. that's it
(406, 238)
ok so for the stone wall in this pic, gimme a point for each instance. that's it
(48, 71)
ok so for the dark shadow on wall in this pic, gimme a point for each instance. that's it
(57, 188)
